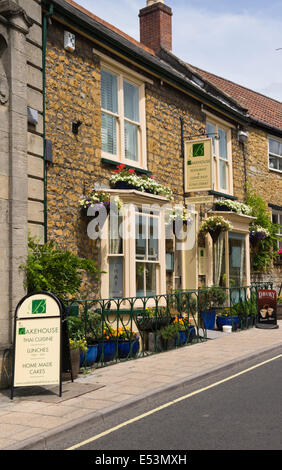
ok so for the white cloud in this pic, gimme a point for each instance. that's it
(238, 47)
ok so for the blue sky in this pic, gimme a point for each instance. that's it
(234, 39)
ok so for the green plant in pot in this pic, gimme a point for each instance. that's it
(77, 343)
(169, 335)
(208, 301)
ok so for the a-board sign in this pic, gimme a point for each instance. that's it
(267, 309)
(37, 354)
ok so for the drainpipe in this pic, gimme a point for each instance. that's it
(44, 41)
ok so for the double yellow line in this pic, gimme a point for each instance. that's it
(166, 405)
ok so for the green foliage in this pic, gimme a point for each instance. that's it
(169, 331)
(263, 254)
(214, 296)
(51, 269)
(75, 327)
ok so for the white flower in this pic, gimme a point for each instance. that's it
(235, 206)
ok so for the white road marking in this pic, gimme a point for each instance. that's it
(166, 405)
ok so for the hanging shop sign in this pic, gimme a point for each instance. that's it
(38, 338)
(198, 171)
(267, 309)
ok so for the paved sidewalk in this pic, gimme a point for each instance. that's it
(28, 422)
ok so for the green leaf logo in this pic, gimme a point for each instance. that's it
(39, 306)
(199, 150)
(21, 331)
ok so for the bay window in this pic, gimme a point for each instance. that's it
(147, 253)
(133, 258)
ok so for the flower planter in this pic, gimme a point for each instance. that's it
(88, 358)
(215, 234)
(106, 351)
(233, 321)
(208, 318)
(128, 348)
(185, 336)
(255, 237)
(191, 333)
(152, 324)
(181, 339)
(75, 364)
(222, 207)
(124, 185)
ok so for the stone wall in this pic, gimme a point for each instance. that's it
(20, 29)
(267, 183)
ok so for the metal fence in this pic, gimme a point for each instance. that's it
(120, 329)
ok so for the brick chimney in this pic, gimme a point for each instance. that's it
(156, 25)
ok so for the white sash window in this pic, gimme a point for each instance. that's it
(123, 118)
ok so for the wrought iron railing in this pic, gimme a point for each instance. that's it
(128, 328)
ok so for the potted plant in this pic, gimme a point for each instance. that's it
(93, 332)
(178, 216)
(258, 233)
(169, 336)
(128, 342)
(98, 200)
(125, 178)
(185, 329)
(214, 225)
(107, 344)
(233, 206)
(227, 318)
(77, 346)
(208, 301)
(153, 318)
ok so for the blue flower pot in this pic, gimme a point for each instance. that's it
(208, 318)
(232, 321)
(88, 358)
(181, 339)
(128, 348)
(109, 351)
(192, 333)
(186, 336)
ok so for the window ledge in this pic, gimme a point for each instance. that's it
(219, 194)
(107, 161)
(275, 171)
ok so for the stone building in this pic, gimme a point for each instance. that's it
(21, 171)
(93, 82)
(78, 97)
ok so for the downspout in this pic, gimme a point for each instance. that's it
(44, 41)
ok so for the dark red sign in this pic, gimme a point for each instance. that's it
(267, 308)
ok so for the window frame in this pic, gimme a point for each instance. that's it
(279, 234)
(277, 139)
(132, 201)
(125, 75)
(219, 124)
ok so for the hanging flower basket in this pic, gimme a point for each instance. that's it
(214, 225)
(98, 201)
(258, 233)
(177, 217)
(127, 179)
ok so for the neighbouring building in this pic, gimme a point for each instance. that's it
(89, 98)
